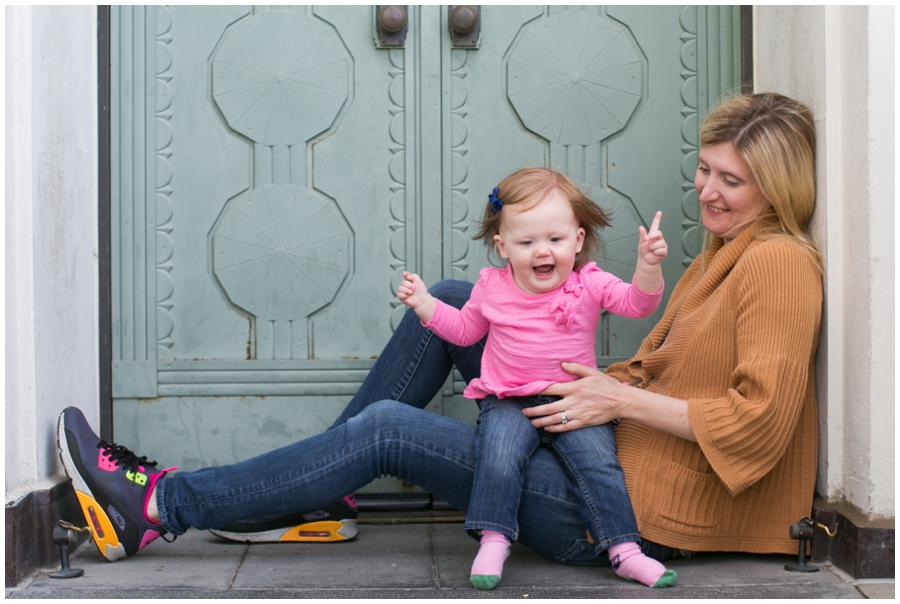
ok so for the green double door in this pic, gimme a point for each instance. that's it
(274, 170)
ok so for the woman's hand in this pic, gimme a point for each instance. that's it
(592, 400)
(597, 398)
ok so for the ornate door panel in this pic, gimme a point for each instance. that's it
(275, 171)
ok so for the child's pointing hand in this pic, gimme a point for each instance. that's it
(652, 247)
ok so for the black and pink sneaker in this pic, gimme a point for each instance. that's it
(112, 484)
(334, 522)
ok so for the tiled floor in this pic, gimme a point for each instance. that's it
(413, 561)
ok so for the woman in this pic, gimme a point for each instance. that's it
(717, 432)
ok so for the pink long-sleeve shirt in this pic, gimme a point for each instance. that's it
(530, 335)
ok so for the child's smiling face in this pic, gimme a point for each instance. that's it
(540, 242)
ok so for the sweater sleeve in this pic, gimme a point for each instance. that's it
(465, 326)
(777, 318)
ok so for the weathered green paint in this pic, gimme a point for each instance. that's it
(274, 173)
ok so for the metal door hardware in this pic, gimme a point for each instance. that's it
(62, 536)
(803, 531)
(390, 25)
(465, 25)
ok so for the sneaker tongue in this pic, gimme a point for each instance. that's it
(125, 457)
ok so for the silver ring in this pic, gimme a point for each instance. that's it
(564, 419)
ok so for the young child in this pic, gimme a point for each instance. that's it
(540, 310)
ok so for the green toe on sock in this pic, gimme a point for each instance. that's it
(667, 580)
(488, 581)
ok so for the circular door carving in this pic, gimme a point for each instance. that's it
(280, 77)
(575, 78)
(281, 252)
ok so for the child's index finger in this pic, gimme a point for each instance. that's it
(654, 226)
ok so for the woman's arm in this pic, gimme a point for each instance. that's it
(773, 299)
(597, 399)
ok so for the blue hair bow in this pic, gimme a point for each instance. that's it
(496, 202)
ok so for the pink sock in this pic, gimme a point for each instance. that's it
(488, 565)
(629, 562)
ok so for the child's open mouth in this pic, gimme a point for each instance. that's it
(544, 269)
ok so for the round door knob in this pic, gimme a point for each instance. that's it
(464, 18)
(392, 18)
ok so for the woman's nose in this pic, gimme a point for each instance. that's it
(706, 191)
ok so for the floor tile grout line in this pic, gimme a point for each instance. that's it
(434, 573)
(238, 569)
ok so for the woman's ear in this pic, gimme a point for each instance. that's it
(501, 247)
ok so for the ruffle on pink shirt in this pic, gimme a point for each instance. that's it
(563, 305)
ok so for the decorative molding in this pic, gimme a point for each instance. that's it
(690, 134)
(298, 377)
(459, 167)
(712, 67)
(397, 174)
(141, 171)
(164, 246)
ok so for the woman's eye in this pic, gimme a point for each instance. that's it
(702, 169)
(729, 182)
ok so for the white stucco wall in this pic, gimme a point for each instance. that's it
(51, 233)
(840, 61)
(882, 258)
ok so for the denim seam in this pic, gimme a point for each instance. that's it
(413, 367)
(281, 482)
(481, 524)
(161, 508)
(602, 540)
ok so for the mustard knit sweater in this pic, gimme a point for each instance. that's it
(738, 341)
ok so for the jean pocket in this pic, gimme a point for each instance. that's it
(581, 553)
(691, 498)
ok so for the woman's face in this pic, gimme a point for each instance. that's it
(729, 197)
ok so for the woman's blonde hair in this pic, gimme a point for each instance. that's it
(531, 186)
(775, 135)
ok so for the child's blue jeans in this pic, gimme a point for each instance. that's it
(504, 444)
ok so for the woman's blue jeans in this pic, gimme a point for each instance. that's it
(384, 431)
(504, 445)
